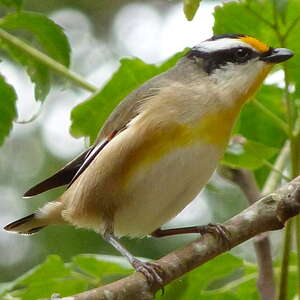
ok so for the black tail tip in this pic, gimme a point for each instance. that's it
(30, 193)
(14, 224)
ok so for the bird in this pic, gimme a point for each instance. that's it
(158, 148)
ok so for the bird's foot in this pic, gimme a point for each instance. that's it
(217, 230)
(152, 271)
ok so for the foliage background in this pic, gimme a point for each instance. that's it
(37, 149)
(100, 33)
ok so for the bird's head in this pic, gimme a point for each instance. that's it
(237, 62)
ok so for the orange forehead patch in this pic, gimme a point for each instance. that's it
(258, 45)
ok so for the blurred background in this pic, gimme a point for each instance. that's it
(100, 33)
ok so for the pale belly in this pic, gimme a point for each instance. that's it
(159, 192)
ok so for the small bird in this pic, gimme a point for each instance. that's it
(158, 148)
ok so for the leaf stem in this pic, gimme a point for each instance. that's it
(283, 279)
(284, 268)
(265, 282)
(280, 173)
(295, 168)
(275, 16)
(267, 22)
(274, 177)
(46, 60)
(291, 27)
(230, 285)
(269, 187)
(280, 123)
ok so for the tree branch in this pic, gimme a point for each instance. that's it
(265, 282)
(269, 213)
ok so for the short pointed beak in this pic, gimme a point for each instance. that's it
(277, 55)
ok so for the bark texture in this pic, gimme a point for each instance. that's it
(269, 213)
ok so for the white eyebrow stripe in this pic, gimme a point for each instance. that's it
(221, 44)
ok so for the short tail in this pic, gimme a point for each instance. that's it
(50, 214)
(26, 225)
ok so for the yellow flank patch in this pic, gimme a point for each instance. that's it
(155, 145)
(258, 45)
(215, 129)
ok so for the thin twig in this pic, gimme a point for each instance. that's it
(46, 60)
(280, 164)
(269, 165)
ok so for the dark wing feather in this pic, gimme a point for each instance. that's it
(124, 112)
(62, 177)
(89, 158)
(92, 154)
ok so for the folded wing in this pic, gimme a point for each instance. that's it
(117, 121)
(62, 177)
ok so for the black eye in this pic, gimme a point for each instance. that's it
(242, 54)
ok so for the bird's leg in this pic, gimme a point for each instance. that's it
(152, 271)
(218, 230)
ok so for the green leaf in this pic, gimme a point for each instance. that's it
(48, 35)
(258, 20)
(8, 110)
(190, 8)
(105, 271)
(201, 278)
(281, 7)
(255, 125)
(12, 3)
(258, 17)
(175, 290)
(292, 275)
(221, 296)
(38, 73)
(88, 117)
(61, 286)
(248, 290)
(52, 276)
(248, 155)
(52, 268)
(264, 130)
(227, 277)
(6, 287)
(291, 28)
(198, 282)
(228, 19)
